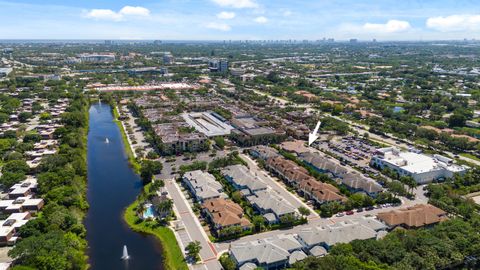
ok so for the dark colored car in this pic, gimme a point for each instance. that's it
(349, 213)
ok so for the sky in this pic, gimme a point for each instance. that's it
(240, 19)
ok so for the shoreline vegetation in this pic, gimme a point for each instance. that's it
(172, 254)
(126, 144)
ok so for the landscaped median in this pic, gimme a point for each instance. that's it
(172, 254)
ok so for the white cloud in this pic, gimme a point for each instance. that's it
(103, 14)
(454, 23)
(110, 15)
(134, 11)
(237, 3)
(261, 19)
(224, 15)
(219, 26)
(392, 26)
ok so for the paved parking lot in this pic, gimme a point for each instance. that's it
(354, 150)
(137, 134)
(170, 168)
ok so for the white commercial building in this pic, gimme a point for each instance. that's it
(208, 123)
(5, 71)
(97, 58)
(422, 168)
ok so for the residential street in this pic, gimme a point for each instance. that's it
(193, 229)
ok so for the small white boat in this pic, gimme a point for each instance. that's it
(125, 253)
(106, 140)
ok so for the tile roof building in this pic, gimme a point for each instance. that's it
(243, 179)
(416, 216)
(223, 213)
(270, 253)
(322, 164)
(299, 177)
(263, 152)
(267, 202)
(342, 232)
(356, 182)
(203, 185)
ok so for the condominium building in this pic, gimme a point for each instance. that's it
(224, 213)
(203, 186)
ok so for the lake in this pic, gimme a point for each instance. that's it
(112, 186)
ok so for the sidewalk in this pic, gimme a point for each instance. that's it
(192, 230)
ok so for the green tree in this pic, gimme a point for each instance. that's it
(193, 249)
(16, 166)
(220, 142)
(258, 223)
(149, 169)
(303, 211)
(8, 179)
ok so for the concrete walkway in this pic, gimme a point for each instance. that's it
(193, 230)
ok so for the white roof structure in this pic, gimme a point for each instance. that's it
(268, 251)
(244, 178)
(207, 123)
(423, 168)
(417, 163)
(342, 232)
(204, 185)
(269, 201)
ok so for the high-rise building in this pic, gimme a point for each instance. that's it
(218, 65)
(168, 58)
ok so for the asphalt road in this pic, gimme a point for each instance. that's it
(193, 228)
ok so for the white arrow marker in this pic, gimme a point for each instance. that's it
(313, 136)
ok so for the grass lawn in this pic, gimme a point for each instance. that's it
(131, 158)
(469, 156)
(172, 255)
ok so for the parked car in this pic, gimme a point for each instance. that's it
(340, 215)
(349, 213)
(370, 208)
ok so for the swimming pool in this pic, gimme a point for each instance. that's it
(149, 212)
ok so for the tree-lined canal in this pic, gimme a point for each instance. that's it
(112, 186)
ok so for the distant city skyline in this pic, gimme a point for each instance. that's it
(240, 19)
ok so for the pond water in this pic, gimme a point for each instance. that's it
(112, 186)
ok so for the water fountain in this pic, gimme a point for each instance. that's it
(125, 253)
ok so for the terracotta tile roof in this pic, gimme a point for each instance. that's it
(321, 191)
(413, 217)
(225, 212)
(300, 176)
